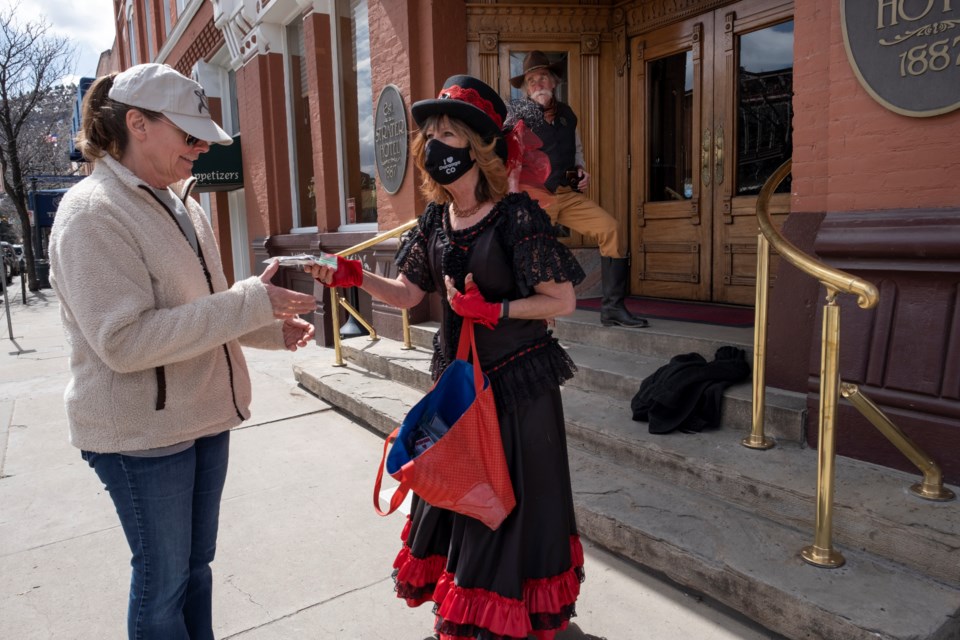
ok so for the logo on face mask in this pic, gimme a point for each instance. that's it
(449, 165)
(446, 164)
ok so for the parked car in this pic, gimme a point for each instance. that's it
(18, 254)
(11, 263)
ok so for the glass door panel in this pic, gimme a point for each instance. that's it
(764, 106)
(711, 119)
(753, 103)
(670, 128)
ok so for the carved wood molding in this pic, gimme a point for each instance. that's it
(489, 43)
(520, 22)
(623, 56)
(589, 44)
(647, 15)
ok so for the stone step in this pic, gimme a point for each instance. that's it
(613, 373)
(751, 563)
(662, 340)
(619, 375)
(741, 554)
(872, 510)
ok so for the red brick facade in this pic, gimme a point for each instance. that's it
(850, 153)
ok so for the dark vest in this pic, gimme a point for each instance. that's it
(559, 143)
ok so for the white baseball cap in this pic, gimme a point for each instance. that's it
(160, 87)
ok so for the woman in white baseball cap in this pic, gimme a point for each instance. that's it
(158, 377)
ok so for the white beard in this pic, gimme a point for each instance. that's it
(542, 96)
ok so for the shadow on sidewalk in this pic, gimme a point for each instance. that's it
(573, 632)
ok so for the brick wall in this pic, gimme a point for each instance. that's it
(851, 153)
(266, 176)
(416, 46)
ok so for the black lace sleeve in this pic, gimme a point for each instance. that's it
(412, 257)
(537, 254)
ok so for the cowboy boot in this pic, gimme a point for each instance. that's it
(613, 273)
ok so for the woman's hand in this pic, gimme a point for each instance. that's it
(349, 273)
(297, 333)
(471, 304)
(286, 303)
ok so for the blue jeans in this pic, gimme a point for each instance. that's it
(169, 509)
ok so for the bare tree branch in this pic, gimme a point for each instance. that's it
(32, 65)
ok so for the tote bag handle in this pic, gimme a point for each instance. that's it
(398, 496)
(468, 343)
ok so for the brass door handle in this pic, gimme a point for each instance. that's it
(718, 156)
(705, 145)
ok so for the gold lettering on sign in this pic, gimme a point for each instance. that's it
(927, 56)
(890, 12)
(906, 53)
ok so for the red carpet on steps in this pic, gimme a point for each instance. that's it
(722, 314)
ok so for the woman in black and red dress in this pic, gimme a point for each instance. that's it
(495, 258)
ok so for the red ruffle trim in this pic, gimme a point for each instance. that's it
(481, 608)
(417, 573)
(551, 595)
(485, 609)
(505, 616)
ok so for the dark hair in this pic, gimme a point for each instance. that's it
(492, 183)
(103, 124)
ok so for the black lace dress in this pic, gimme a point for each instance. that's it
(524, 577)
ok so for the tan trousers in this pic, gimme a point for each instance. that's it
(583, 215)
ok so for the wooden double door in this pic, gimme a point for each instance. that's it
(711, 118)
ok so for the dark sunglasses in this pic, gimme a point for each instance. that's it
(189, 139)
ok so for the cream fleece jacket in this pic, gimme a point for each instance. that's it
(154, 330)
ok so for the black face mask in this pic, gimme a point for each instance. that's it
(446, 164)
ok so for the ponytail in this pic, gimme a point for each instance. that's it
(103, 127)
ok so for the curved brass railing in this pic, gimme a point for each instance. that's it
(821, 552)
(337, 301)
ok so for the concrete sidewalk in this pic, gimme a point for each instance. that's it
(301, 555)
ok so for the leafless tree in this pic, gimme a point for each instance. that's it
(32, 65)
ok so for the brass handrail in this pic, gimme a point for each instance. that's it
(336, 300)
(932, 486)
(821, 552)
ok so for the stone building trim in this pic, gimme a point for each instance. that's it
(515, 23)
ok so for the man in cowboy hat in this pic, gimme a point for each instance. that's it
(555, 123)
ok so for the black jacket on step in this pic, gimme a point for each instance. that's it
(686, 393)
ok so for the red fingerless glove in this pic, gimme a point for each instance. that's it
(349, 273)
(471, 304)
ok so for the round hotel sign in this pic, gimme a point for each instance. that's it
(390, 138)
(906, 53)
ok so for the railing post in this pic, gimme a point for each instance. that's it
(407, 342)
(821, 552)
(756, 439)
(335, 319)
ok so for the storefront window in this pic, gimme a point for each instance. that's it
(358, 129)
(301, 140)
(166, 16)
(234, 123)
(148, 26)
(132, 34)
